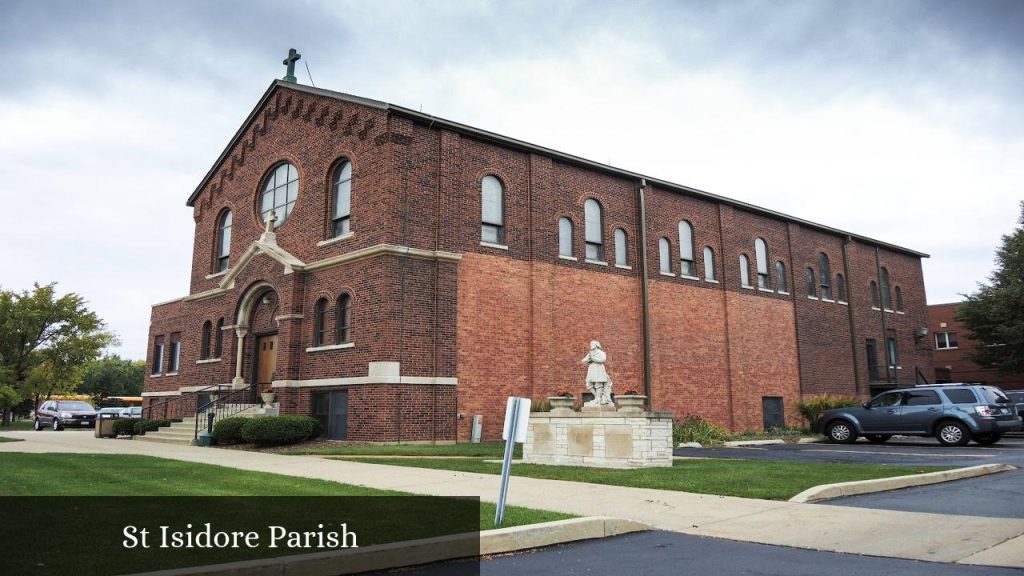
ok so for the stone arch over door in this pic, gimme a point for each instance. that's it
(256, 312)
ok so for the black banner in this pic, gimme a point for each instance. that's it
(52, 535)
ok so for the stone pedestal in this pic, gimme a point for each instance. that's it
(600, 438)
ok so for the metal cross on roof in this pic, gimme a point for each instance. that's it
(293, 55)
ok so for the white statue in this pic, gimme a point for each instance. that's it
(598, 382)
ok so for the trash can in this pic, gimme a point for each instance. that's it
(105, 425)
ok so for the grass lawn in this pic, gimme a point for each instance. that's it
(483, 449)
(127, 475)
(743, 478)
(17, 426)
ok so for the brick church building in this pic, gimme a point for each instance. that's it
(396, 274)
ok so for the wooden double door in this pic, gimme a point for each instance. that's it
(266, 360)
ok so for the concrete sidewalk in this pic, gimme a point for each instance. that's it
(909, 535)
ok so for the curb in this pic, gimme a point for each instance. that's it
(417, 552)
(741, 443)
(829, 491)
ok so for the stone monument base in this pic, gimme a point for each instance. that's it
(602, 439)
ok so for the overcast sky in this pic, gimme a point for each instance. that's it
(901, 121)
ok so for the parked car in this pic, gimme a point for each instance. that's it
(58, 414)
(954, 414)
(131, 412)
(1018, 398)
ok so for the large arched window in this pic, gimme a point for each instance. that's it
(709, 263)
(761, 256)
(840, 288)
(278, 193)
(687, 267)
(343, 320)
(664, 258)
(223, 241)
(886, 297)
(825, 274)
(565, 237)
(218, 339)
(204, 346)
(621, 251)
(492, 210)
(592, 230)
(745, 271)
(812, 286)
(874, 295)
(780, 278)
(341, 200)
(320, 322)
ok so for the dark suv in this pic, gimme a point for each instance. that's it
(58, 414)
(955, 414)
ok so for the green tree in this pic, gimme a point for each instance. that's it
(45, 340)
(994, 315)
(112, 376)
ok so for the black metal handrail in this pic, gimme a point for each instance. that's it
(226, 405)
(173, 407)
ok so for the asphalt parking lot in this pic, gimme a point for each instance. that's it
(998, 495)
(902, 451)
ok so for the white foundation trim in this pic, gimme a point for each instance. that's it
(419, 380)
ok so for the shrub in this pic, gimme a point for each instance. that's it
(811, 408)
(130, 427)
(697, 429)
(540, 406)
(229, 430)
(278, 430)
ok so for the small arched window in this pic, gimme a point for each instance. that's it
(279, 191)
(780, 278)
(204, 347)
(874, 295)
(825, 273)
(812, 286)
(223, 241)
(886, 297)
(745, 271)
(320, 322)
(664, 260)
(218, 339)
(709, 263)
(343, 320)
(592, 230)
(492, 210)
(621, 251)
(564, 237)
(899, 299)
(840, 288)
(341, 214)
(687, 267)
(761, 256)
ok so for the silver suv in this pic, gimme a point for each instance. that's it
(954, 414)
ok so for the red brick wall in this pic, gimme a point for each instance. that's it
(503, 339)
(941, 318)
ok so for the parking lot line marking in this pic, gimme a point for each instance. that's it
(931, 454)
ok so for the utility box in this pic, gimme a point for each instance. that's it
(477, 429)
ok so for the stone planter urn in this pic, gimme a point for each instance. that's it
(561, 404)
(630, 402)
(268, 397)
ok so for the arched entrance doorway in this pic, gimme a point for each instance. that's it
(257, 312)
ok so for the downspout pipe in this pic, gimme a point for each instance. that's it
(645, 316)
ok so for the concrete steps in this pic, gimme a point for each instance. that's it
(183, 432)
